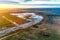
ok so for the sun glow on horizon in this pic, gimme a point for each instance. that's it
(6, 6)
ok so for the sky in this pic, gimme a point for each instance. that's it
(30, 3)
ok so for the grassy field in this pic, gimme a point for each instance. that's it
(8, 20)
(48, 30)
(35, 33)
(44, 31)
(4, 23)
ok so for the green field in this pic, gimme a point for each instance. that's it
(8, 20)
(35, 33)
(5, 23)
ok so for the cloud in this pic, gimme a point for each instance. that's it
(24, 6)
(31, 1)
(9, 0)
(40, 2)
(27, 4)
